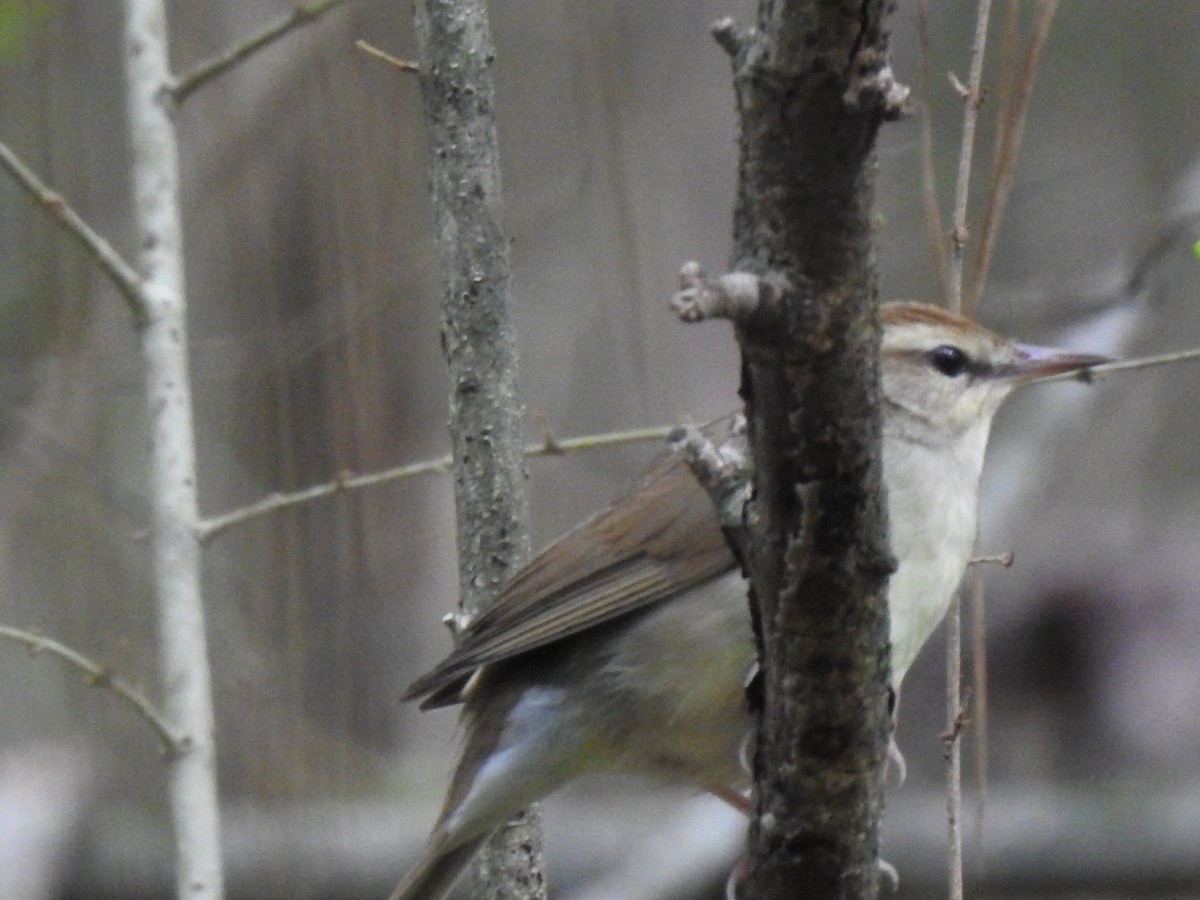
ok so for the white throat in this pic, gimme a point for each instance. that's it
(931, 495)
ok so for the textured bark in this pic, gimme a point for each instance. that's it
(812, 88)
(187, 680)
(480, 350)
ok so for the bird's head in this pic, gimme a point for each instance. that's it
(944, 377)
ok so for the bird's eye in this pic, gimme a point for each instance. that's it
(949, 360)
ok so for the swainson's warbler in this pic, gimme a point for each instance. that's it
(624, 645)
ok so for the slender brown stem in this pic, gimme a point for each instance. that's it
(1012, 133)
(933, 210)
(954, 747)
(1010, 45)
(979, 683)
(972, 98)
(404, 65)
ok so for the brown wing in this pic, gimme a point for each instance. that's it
(656, 541)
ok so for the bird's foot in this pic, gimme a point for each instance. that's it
(895, 760)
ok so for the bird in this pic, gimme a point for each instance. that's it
(626, 646)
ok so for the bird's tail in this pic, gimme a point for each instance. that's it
(438, 870)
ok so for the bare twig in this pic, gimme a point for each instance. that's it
(1012, 106)
(560, 446)
(953, 748)
(404, 65)
(1001, 559)
(1003, 104)
(1012, 118)
(959, 722)
(979, 681)
(972, 98)
(1126, 365)
(933, 209)
(303, 14)
(212, 526)
(1006, 78)
(119, 272)
(96, 675)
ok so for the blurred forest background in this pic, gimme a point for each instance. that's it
(314, 326)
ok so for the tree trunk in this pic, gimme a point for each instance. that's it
(813, 87)
(479, 344)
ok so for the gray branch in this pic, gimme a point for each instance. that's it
(119, 272)
(96, 675)
(455, 72)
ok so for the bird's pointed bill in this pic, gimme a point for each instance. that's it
(1037, 363)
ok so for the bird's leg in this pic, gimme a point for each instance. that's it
(737, 877)
(894, 758)
(736, 799)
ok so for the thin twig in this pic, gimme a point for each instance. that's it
(1013, 131)
(1006, 82)
(127, 281)
(933, 210)
(404, 65)
(1006, 78)
(212, 526)
(98, 676)
(972, 98)
(979, 682)
(558, 446)
(1003, 104)
(215, 525)
(1012, 107)
(959, 722)
(304, 14)
(954, 717)
(1126, 365)
(1005, 559)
